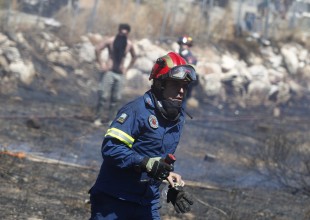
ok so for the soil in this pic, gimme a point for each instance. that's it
(50, 157)
(39, 190)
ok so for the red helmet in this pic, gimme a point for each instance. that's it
(185, 40)
(173, 66)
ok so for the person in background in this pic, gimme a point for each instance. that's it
(139, 145)
(113, 71)
(185, 42)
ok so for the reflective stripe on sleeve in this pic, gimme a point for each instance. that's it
(120, 135)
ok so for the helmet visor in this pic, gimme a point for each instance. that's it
(185, 72)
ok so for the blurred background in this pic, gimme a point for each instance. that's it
(205, 20)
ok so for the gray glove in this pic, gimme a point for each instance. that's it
(156, 167)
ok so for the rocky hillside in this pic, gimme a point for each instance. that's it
(240, 74)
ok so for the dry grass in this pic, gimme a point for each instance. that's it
(157, 19)
(286, 159)
(152, 19)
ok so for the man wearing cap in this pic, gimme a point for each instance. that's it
(113, 71)
(144, 132)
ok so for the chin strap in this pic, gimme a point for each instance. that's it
(172, 108)
(187, 113)
(162, 107)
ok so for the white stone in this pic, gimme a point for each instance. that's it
(144, 64)
(60, 71)
(87, 52)
(25, 70)
(227, 63)
(290, 59)
(211, 84)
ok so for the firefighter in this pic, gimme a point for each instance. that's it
(185, 43)
(143, 133)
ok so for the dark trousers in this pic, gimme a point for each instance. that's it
(105, 207)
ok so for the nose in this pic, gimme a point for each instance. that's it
(181, 91)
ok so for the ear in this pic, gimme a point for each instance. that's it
(156, 83)
(160, 85)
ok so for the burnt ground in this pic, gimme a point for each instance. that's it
(44, 125)
(36, 190)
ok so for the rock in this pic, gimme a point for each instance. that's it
(94, 38)
(60, 71)
(276, 60)
(12, 54)
(275, 76)
(296, 89)
(211, 84)
(25, 70)
(4, 63)
(276, 112)
(52, 57)
(50, 46)
(144, 64)
(208, 68)
(66, 59)
(192, 103)
(52, 22)
(290, 59)
(279, 93)
(210, 158)
(62, 57)
(21, 40)
(3, 38)
(304, 76)
(87, 52)
(33, 123)
(46, 36)
(259, 72)
(145, 47)
(79, 72)
(257, 93)
(227, 63)
(137, 80)
(303, 55)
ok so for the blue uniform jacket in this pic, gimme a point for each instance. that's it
(136, 132)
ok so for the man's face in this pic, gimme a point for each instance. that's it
(184, 46)
(175, 90)
(123, 32)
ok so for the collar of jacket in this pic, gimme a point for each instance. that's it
(148, 99)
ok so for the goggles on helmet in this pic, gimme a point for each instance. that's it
(183, 72)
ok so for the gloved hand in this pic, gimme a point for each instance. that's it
(156, 167)
(181, 200)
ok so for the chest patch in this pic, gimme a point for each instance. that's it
(122, 118)
(153, 121)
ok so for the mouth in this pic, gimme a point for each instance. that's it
(178, 99)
